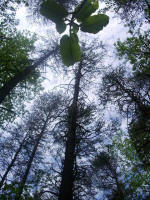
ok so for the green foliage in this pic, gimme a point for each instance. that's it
(89, 7)
(125, 147)
(70, 49)
(136, 49)
(15, 49)
(53, 11)
(140, 135)
(14, 54)
(75, 28)
(15, 104)
(60, 27)
(76, 51)
(65, 47)
(95, 23)
(10, 191)
(137, 178)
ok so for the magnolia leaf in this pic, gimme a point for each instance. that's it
(65, 49)
(70, 49)
(53, 11)
(60, 27)
(88, 8)
(75, 28)
(76, 51)
(95, 23)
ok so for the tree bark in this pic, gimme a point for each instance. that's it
(12, 163)
(67, 182)
(12, 83)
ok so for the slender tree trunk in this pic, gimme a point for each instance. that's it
(67, 182)
(12, 163)
(12, 83)
(31, 159)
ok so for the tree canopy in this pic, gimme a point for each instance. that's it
(75, 108)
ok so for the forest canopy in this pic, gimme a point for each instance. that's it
(74, 100)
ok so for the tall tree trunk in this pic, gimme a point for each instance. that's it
(12, 163)
(31, 159)
(67, 182)
(12, 83)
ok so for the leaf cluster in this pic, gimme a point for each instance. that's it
(136, 49)
(80, 19)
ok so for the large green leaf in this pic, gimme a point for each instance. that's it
(95, 23)
(75, 28)
(53, 11)
(75, 48)
(65, 48)
(88, 8)
(60, 27)
(70, 49)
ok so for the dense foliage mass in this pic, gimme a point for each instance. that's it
(67, 144)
